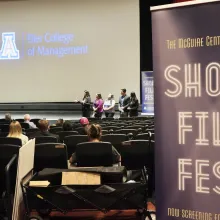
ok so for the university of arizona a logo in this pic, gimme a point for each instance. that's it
(9, 50)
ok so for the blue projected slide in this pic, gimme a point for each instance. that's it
(16, 46)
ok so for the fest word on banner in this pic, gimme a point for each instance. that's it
(147, 93)
(186, 61)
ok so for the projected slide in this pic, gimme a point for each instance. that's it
(53, 50)
(48, 44)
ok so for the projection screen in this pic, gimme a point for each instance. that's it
(53, 50)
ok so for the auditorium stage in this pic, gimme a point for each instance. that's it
(50, 111)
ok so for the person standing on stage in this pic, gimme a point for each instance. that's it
(123, 103)
(98, 106)
(109, 106)
(86, 110)
(133, 105)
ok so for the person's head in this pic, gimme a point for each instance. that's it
(67, 126)
(98, 96)
(123, 92)
(94, 132)
(43, 125)
(110, 96)
(8, 117)
(86, 94)
(59, 122)
(27, 117)
(15, 129)
(84, 121)
(133, 95)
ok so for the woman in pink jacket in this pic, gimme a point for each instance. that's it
(98, 106)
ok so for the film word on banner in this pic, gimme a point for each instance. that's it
(186, 61)
(147, 93)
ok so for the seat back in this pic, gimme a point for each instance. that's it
(19, 120)
(7, 151)
(25, 125)
(115, 139)
(143, 136)
(72, 141)
(45, 139)
(55, 130)
(91, 154)
(50, 155)
(63, 134)
(108, 119)
(29, 132)
(4, 127)
(114, 128)
(104, 132)
(80, 130)
(35, 121)
(11, 140)
(136, 154)
(152, 136)
(129, 131)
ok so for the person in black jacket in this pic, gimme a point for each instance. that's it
(86, 109)
(124, 101)
(133, 105)
(43, 126)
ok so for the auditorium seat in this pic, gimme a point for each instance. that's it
(92, 154)
(72, 141)
(35, 121)
(19, 120)
(50, 155)
(115, 140)
(8, 172)
(150, 130)
(136, 127)
(127, 131)
(114, 128)
(108, 119)
(63, 134)
(24, 125)
(136, 154)
(4, 134)
(4, 127)
(10, 140)
(105, 132)
(80, 130)
(143, 136)
(45, 139)
(29, 132)
(55, 130)
(152, 136)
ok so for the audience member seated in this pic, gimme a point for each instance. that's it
(85, 124)
(94, 134)
(60, 122)
(43, 126)
(67, 126)
(8, 118)
(27, 119)
(15, 131)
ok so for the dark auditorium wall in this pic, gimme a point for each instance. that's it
(145, 32)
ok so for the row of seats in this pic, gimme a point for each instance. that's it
(72, 140)
(134, 153)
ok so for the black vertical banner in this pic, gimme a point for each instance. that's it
(186, 65)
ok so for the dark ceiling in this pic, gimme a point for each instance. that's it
(145, 32)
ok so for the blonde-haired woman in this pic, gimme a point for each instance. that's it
(15, 131)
